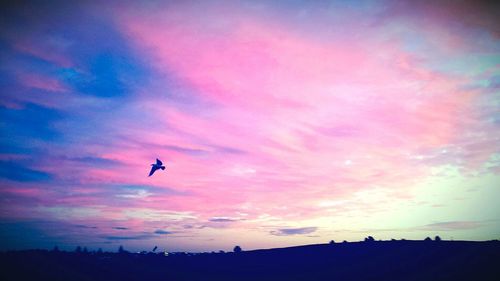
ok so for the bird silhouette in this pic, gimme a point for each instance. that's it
(154, 167)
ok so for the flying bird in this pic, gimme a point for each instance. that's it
(154, 167)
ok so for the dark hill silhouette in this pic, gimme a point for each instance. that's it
(375, 260)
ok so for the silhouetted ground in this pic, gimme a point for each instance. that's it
(379, 260)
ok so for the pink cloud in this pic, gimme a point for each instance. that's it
(49, 51)
(277, 94)
(41, 82)
(273, 124)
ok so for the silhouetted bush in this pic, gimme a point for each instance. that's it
(369, 239)
(78, 249)
(121, 250)
(427, 239)
(237, 249)
(331, 242)
(437, 238)
(56, 249)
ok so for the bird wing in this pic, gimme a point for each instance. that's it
(153, 169)
(158, 162)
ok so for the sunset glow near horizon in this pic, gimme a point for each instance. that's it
(280, 123)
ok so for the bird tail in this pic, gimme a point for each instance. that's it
(163, 167)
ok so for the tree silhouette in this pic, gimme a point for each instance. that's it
(121, 250)
(78, 249)
(437, 238)
(427, 239)
(237, 249)
(331, 242)
(369, 239)
(99, 251)
(56, 249)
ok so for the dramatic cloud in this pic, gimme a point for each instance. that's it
(268, 115)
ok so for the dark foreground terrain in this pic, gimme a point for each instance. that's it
(377, 260)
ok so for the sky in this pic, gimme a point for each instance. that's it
(280, 123)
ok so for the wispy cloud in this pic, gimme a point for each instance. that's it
(293, 231)
(224, 219)
(452, 225)
(22, 173)
(94, 161)
(161, 231)
(129, 237)
(309, 114)
(85, 226)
